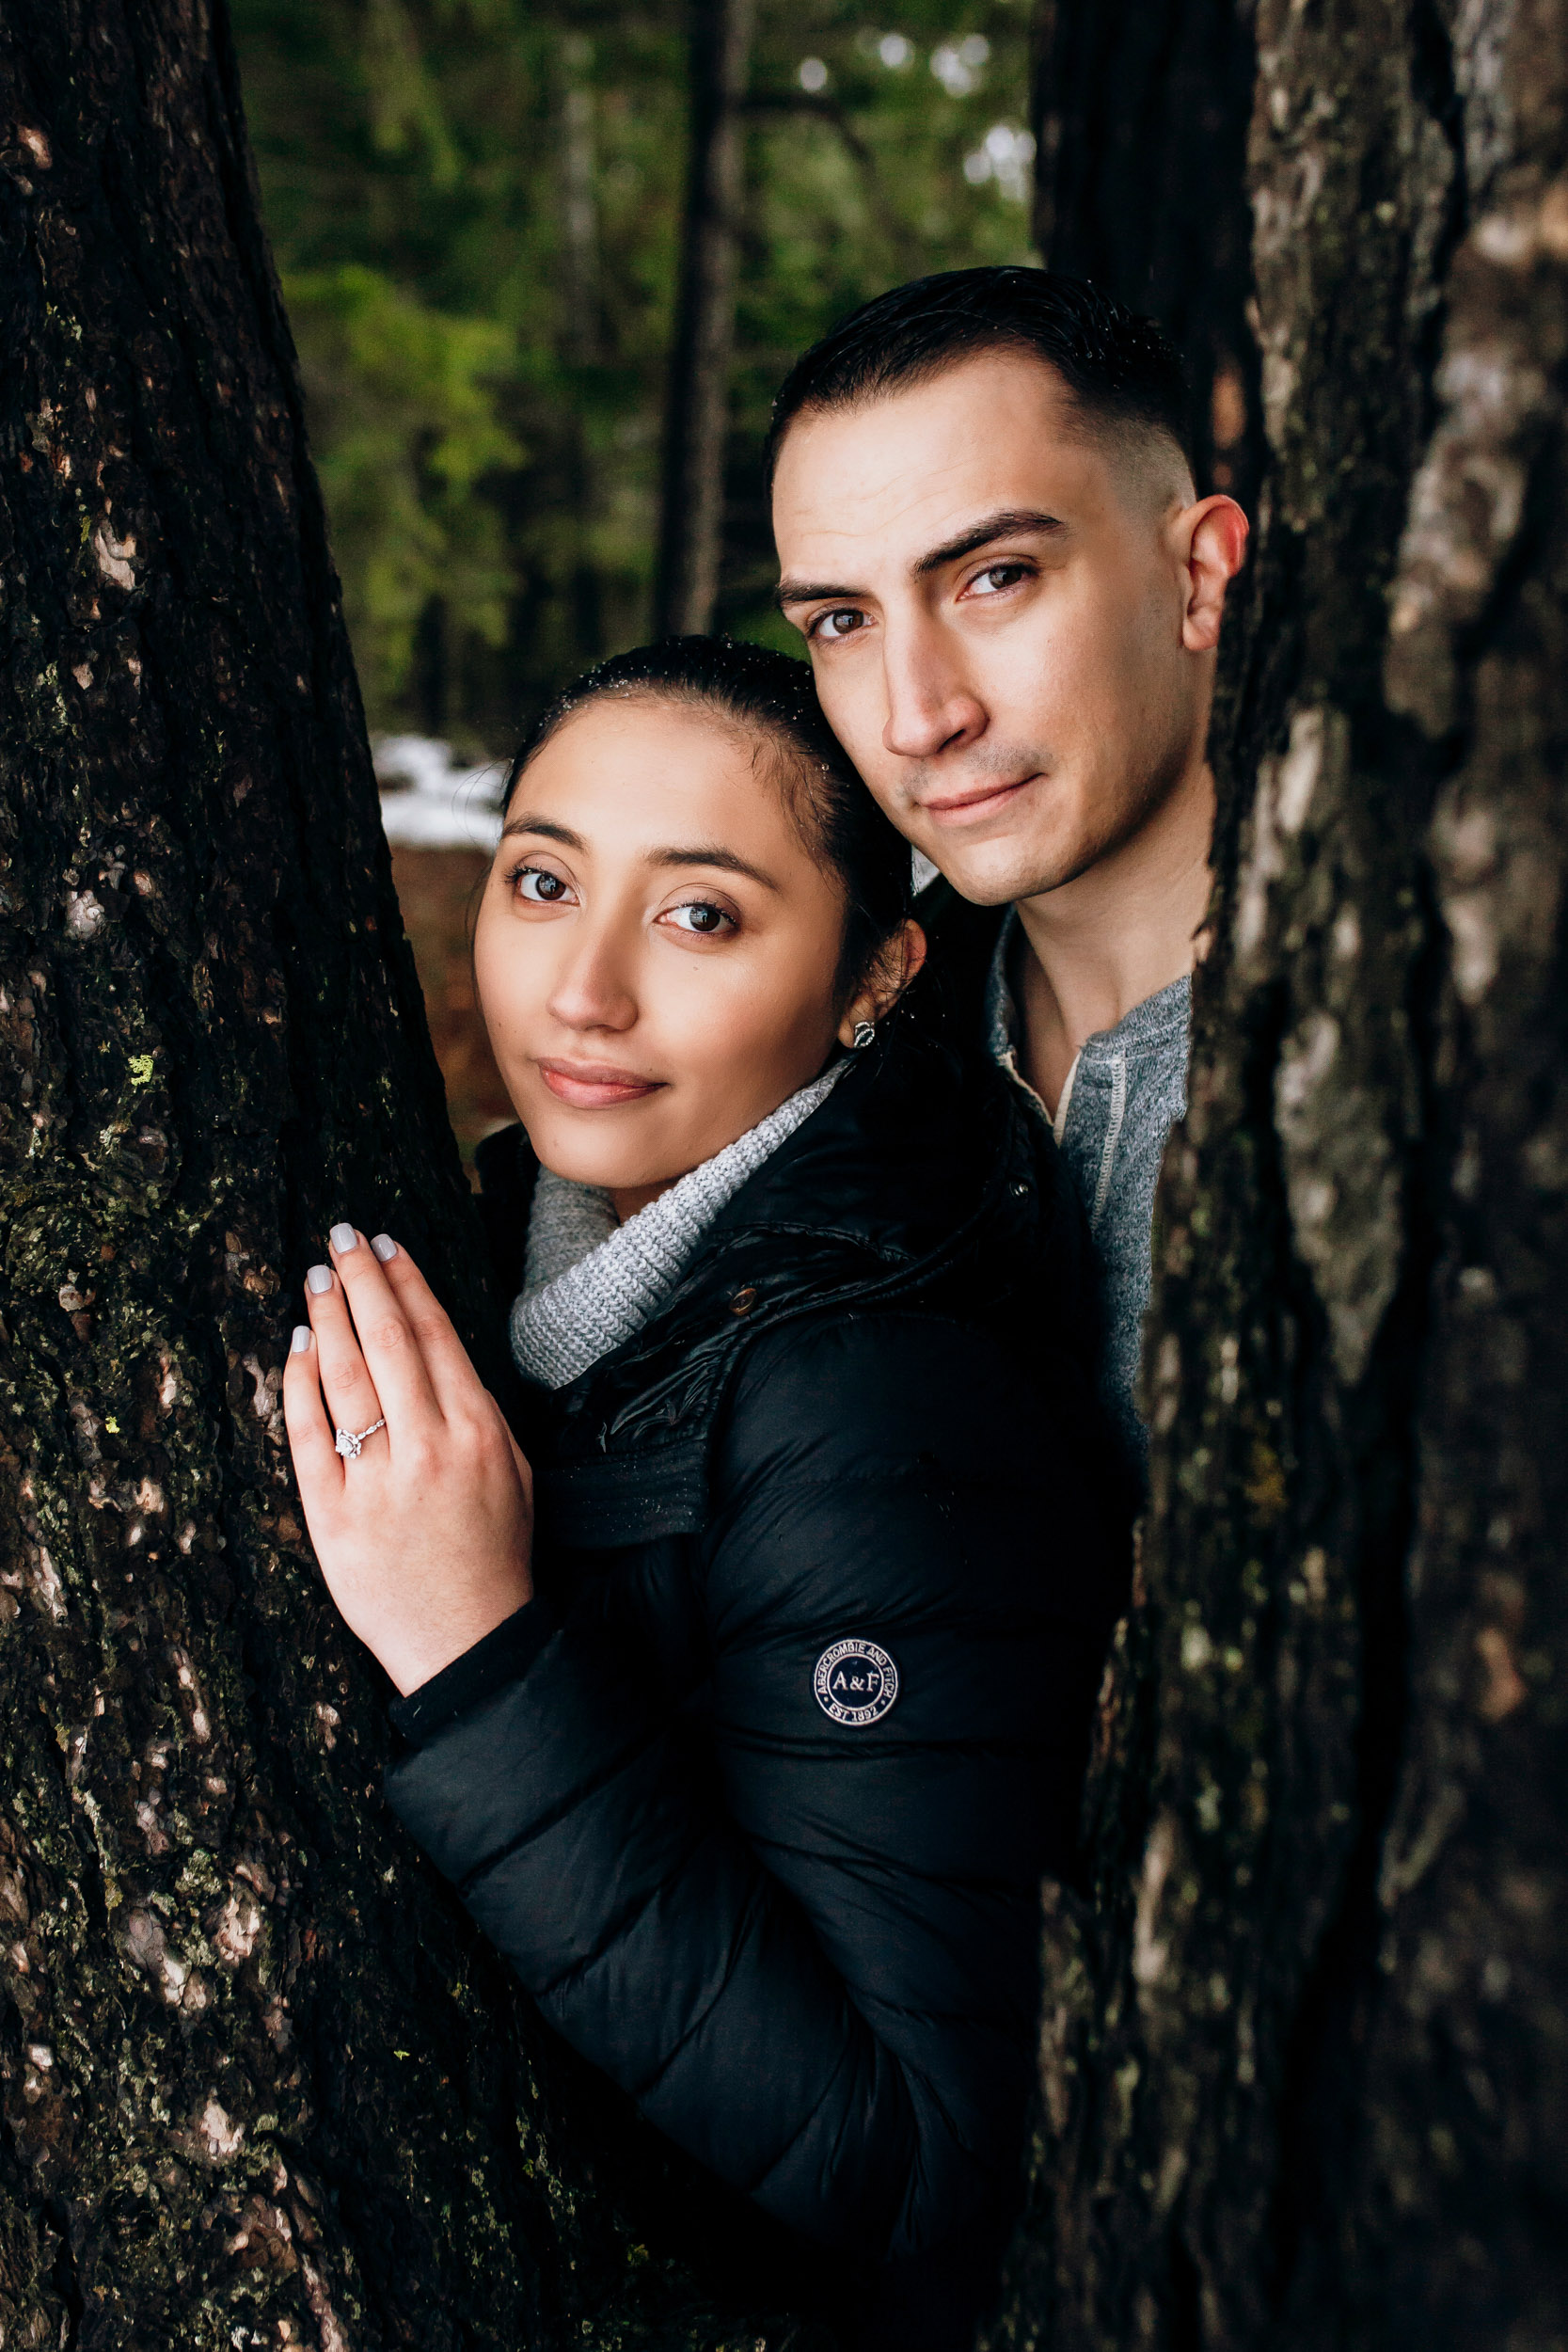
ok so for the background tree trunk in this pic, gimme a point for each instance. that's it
(1304, 2070)
(262, 2085)
(1141, 123)
(691, 518)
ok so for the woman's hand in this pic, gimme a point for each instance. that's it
(425, 1537)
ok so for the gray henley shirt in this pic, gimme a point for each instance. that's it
(1125, 1091)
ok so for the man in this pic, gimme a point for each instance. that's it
(990, 539)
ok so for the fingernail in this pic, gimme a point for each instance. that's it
(319, 1280)
(343, 1238)
(300, 1340)
(385, 1246)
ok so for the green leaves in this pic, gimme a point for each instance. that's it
(404, 409)
(477, 209)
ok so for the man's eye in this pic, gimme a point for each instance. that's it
(996, 577)
(700, 916)
(835, 626)
(540, 887)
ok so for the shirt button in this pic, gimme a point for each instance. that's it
(743, 1301)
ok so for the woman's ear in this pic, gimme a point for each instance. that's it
(898, 961)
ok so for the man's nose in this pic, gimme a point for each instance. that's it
(930, 704)
(592, 988)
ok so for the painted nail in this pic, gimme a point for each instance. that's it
(343, 1238)
(385, 1246)
(300, 1340)
(319, 1280)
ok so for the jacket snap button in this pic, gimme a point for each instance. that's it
(743, 1301)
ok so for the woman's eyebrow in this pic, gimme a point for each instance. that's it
(709, 853)
(543, 826)
(701, 853)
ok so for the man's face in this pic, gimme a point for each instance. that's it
(995, 603)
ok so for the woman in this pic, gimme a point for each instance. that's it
(752, 1754)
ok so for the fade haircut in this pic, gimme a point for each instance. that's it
(1123, 376)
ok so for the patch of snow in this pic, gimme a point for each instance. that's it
(428, 802)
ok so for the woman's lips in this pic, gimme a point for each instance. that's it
(591, 1086)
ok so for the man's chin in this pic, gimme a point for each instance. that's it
(994, 873)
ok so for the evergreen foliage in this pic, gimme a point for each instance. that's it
(475, 207)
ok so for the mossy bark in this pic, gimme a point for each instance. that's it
(1305, 2058)
(261, 2083)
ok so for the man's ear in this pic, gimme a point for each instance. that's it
(1212, 540)
(897, 963)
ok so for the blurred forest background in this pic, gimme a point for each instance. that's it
(481, 213)
(477, 209)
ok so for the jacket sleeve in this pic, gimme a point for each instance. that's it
(809, 1950)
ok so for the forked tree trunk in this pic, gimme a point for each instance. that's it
(691, 518)
(1306, 2062)
(261, 2085)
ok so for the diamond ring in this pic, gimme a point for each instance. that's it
(348, 1444)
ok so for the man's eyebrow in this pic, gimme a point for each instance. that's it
(1008, 524)
(542, 825)
(808, 592)
(709, 853)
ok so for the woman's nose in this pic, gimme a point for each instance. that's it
(591, 990)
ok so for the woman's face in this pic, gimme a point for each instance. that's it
(656, 947)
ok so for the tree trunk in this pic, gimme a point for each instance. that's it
(1305, 2059)
(691, 522)
(261, 2084)
(579, 225)
(1141, 121)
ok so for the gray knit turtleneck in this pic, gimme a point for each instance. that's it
(589, 1284)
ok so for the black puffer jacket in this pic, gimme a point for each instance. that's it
(790, 1907)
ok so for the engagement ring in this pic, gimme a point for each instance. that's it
(349, 1445)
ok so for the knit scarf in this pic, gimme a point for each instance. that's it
(589, 1284)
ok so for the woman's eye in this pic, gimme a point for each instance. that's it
(699, 915)
(996, 577)
(540, 887)
(836, 626)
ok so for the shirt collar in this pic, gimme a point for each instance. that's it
(1150, 1025)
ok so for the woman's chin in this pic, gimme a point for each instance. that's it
(596, 1159)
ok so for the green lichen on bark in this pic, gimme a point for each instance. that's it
(261, 2084)
(1303, 2079)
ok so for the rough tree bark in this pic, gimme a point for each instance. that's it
(1305, 2069)
(260, 2085)
(692, 513)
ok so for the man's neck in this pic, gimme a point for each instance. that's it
(1115, 935)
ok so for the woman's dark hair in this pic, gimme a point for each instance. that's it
(769, 697)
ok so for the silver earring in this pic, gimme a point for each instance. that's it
(865, 1032)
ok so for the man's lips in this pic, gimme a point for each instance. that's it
(973, 803)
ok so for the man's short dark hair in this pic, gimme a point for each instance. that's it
(1120, 370)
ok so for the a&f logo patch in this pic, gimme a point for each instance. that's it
(855, 1682)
